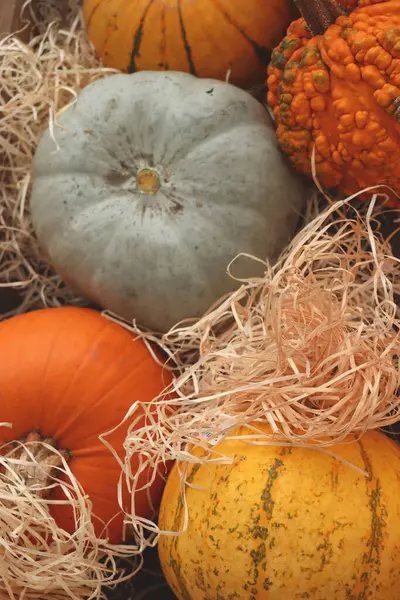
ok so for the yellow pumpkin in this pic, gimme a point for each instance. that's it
(287, 523)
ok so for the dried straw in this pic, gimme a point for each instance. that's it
(38, 79)
(38, 558)
(312, 348)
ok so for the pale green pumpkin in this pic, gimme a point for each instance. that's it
(155, 183)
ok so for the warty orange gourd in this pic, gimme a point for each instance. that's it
(334, 85)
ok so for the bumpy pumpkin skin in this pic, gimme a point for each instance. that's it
(340, 93)
(286, 524)
(201, 37)
(71, 375)
(160, 255)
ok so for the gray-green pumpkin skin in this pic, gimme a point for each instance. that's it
(225, 189)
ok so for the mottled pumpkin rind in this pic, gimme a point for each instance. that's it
(338, 93)
(282, 524)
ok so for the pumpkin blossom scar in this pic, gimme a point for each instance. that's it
(148, 181)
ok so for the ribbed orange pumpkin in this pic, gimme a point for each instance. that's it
(286, 523)
(338, 91)
(70, 375)
(202, 37)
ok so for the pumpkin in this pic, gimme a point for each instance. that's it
(195, 36)
(334, 85)
(159, 181)
(286, 522)
(69, 375)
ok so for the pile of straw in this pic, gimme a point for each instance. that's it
(312, 348)
(38, 558)
(38, 79)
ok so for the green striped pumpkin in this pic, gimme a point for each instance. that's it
(286, 524)
(202, 37)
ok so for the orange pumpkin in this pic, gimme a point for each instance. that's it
(339, 91)
(202, 37)
(70, 375)
(284, 523)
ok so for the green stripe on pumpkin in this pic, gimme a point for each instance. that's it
(92, 14)
(372, 557)
(137, 39)
(174, 564)
(186, 44)
(263, 54)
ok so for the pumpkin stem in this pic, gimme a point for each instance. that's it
(320, 14)
(37, 463)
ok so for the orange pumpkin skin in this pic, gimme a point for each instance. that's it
(339, 92)
(202, 37)
(71, 375)
(286, 523)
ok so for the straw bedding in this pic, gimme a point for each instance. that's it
(312, 348)
(38, 80)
